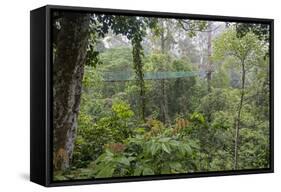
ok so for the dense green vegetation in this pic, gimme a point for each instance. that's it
(216, 119)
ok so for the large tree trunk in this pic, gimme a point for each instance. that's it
(238, 118)
(68, 70)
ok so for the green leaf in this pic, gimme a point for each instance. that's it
(174, 143)
(187, 148)
(166, 148)
(106, 172)
(165, 170)
(123, 160)
(175, 166)
(154, 148)
(198, 117)
(182, 151)
(138, 171)
(164, 139)
(59, 178)
(147, 171)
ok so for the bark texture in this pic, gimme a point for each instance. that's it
(68, 70)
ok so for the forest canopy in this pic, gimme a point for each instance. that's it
(137, 96)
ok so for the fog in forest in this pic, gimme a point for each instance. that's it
(153, 96)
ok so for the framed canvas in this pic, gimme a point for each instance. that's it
(125, 95)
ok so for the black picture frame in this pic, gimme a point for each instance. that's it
(41, 95)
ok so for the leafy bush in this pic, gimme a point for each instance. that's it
(141, 156)
(112, 163)
(92, 137)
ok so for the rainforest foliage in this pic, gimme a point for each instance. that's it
(216, 118)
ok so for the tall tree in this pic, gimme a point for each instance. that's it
(69, 60)
(138, 66)
(164, 37)
(134, 28)
(246, 51)
(73, 49)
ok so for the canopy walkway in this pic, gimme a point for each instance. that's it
(130, 75)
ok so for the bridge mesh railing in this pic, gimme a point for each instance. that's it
(130, 75)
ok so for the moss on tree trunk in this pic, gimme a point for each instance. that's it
(68, 70)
